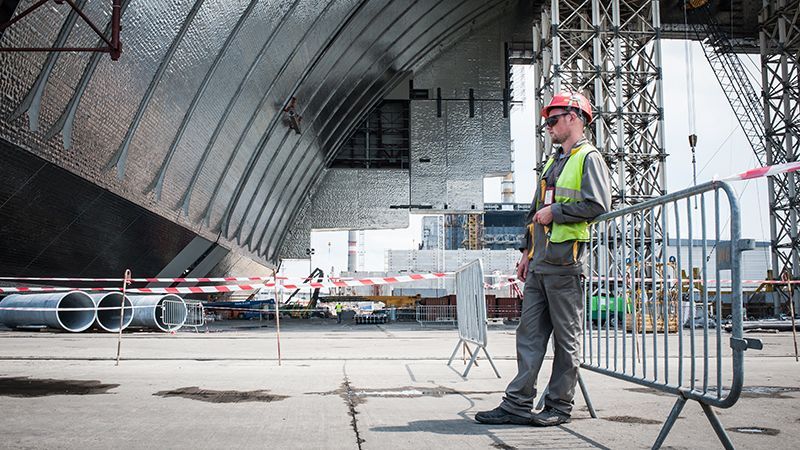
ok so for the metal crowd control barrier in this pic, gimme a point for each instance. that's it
(644, 306)
(174, 313)
(471, 306)
(195, 314)
(436, 315)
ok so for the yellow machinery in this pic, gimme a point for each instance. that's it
(394, 301)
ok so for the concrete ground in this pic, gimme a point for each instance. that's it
(339, 386)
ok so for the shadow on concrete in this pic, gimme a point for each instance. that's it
(461, 427)
(504, 436)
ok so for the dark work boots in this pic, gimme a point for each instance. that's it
(500, 416)
(549, 417)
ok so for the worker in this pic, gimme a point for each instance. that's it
(573, 189)
(339, 312)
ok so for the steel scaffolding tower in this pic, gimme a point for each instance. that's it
(779, 39)
(610, 51)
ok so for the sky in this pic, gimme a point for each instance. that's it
(722, 150)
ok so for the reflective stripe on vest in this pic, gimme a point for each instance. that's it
(568, 190)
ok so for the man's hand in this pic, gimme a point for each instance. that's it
(522, 267)
(543, 216)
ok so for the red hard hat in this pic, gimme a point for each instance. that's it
(569, 100)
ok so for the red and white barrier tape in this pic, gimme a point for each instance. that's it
(169, 290)
(372, 281)
(208, 280)
(148, 280)
(340, 283)
(240, 287)
(764, 171)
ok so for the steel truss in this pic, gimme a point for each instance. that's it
(733, 80)
(112, 46)
(610, 51)
(779, 38)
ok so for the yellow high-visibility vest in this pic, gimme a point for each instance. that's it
(568, 190)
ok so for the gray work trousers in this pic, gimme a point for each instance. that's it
(551, 303)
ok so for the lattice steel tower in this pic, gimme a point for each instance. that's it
(610, 51)
(779, 40)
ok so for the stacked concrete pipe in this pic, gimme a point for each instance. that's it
(72, 311)
(108, 319)
(148, 311)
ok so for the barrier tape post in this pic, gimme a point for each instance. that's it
(791, 311)
(125, 282)
(277, 318)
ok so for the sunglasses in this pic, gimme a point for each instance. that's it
(553, 120)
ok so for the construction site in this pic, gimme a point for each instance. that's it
(313, 224)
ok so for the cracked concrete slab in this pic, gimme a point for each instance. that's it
(342, 386)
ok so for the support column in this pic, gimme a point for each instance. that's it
(779, 38)
(352, 251)
(610, 51)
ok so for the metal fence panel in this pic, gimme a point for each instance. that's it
(654, 318)
(471, 307)
(436, 315)
(174, 313)
(471, 303)
(195, 314)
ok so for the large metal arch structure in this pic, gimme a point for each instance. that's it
(191, 122)
(194, 122)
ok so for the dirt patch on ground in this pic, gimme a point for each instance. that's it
(34, 387)
(768, 391)
(211, 396)
(756, 430)
(632, 419)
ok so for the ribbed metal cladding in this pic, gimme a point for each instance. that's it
(432, 29)
(461, 149)
(352, 199)
(189, 82)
